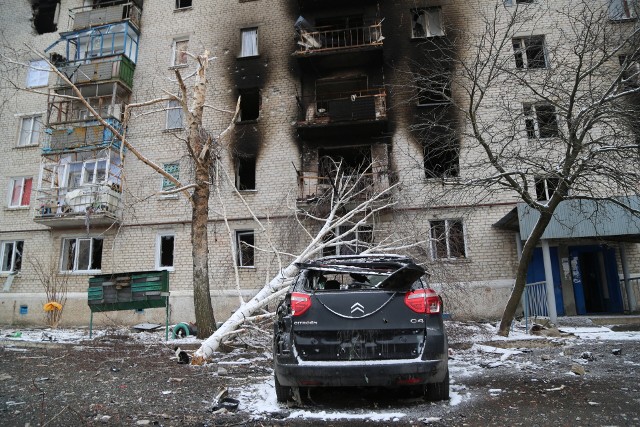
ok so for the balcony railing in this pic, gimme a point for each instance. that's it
(312, 41)
(68, 111)
(363, 186)
(362, 105)
(100, 201)
(71, 138)
(102, 69)
(106, 13)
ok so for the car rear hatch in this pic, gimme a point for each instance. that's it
(363, 322)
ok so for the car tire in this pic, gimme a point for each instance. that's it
(438, 391)
(283, 393)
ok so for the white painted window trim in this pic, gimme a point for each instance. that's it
(12, 181)
(38, 73)
(3, 244)
(447, 228)
(76, 254)
(158, 249)
(21, 120)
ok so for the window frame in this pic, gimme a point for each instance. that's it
(249, 51)
(38, 69)
(533, 126)
(520, 53)
(174, 51)
(14, 251)
(627, 11)
(240, 259)
(11, 190)
(158, 251)
(172, 106)
(167, 185)
(241, 161)
(342, 248)
(178, 7)
(33, 119)
(76, 254)
(434, 240)
(426, 12)
(549, 186)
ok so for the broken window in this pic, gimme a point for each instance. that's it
(245, 241)
(623, 9)
(11, 256)
(427, 23)
(630, 65)
(183, 4)
(38, 74)
(174, 115)
(540, 121)
(172, 169)
(249, 104)
(45, 15)
(447, 239)
(81, 254)
(434, 89)
(249, 41)
(441, 160)
(530, 52)
(180, 47)
(165, 251)
(29, 131)
(20, 192)
(351, 243)
(246, 173)
(545, 187)
(512, 2)
(94, 172)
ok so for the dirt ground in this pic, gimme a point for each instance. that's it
(115, 380)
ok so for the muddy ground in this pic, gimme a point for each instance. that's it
(115, 380)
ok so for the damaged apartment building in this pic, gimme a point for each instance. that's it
(323, 85)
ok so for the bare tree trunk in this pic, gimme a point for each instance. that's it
(205, 319)
(521, 275)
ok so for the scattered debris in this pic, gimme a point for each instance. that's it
(16, 334)
(542, 330)
(143, 422)
(167, 392)
(562, 387)
(4, 377)
(147, 327)
(223, 403)
(175, 380)
(616, 351)
(182, 356)
(545, 357)
(587, 355)
(578, 369)
(593, 403)
(505, 353)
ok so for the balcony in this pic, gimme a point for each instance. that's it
(105, 13)
(79, 137)
(111, 68)
(100, 204)
(314, 188)
(312, 41)
(364, 109)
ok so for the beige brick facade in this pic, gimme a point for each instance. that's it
(475, 285)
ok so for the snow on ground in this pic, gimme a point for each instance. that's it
(259, 398)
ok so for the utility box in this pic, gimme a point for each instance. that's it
(129, 291)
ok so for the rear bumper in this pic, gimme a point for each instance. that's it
(370, 373)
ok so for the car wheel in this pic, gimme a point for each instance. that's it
(283, 393)
(438, 391)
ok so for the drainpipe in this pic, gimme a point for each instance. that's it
(627, 280)
(548, 275)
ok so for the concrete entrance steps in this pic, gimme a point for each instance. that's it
(608, 320)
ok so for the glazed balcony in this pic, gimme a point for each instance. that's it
(80, 137)
(116, 68)
(316, 41)
(100, 204)
(105, 13)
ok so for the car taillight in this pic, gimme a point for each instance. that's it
(300, 303)
(424, 301)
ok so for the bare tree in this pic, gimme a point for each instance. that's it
(553, 113)
(350, 201)
(200, 145)
(56, 286)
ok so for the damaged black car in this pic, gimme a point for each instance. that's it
(361, 321)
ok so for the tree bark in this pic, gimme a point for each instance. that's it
(521, 275)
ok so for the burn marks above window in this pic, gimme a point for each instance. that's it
(45, 15)
(249, 104)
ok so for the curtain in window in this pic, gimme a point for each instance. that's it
(38, 74)
(249, 42)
